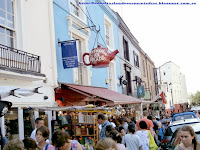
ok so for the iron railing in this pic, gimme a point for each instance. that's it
(17, 59)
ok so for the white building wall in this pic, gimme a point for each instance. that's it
(170, 73)
(134, 70)
(34, 33)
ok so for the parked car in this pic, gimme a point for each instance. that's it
(172, 128)
(195, 126)
(183, 116)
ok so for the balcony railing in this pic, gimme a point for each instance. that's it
(20, 60)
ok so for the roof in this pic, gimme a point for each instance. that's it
(104, 93)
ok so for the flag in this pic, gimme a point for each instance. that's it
(163, 98)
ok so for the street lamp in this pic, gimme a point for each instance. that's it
(170, 84)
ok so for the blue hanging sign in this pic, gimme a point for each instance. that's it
(69, 54)
(140, 91)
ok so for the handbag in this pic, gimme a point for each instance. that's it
(152, 144)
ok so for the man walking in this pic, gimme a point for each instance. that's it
(38, 123)
(147, 121)
(102, 121)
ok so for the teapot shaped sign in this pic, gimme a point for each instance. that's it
(100, 57)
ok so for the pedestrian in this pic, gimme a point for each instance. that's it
(42, 134)
(188, 139)
(60, 139)
(124, 124)
(101, 118)
(144, 135)
(148, 122)
(165, 121)
(109, 128)
(118, 139)
(106, 144)
(14, 144)
(131, 140)
(159, 131)
(29, 143)
(38, 123)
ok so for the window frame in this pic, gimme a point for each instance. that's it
(8, 37)
(136, 60)
(126, 49)
(108, 23)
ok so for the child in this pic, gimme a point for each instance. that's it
(42, 134)
(29, 143)
(118, 139)
(144, 135)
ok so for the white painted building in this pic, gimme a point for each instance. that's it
(172, 83)
(130, 58)
(27, 60)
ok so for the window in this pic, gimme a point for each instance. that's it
(107, 35)
(108, 28)
(79, 72)
(149, 72)
(126, 50)
(136, 59)
(77, 10)
(75, 7)
(111, 76)
(143, 64)
(6, 23)
(128, 86)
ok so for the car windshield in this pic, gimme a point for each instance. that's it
(183, 117)
(171, 129)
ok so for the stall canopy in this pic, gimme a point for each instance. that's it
(100, 93)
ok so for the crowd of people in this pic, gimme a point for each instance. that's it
(116, 133)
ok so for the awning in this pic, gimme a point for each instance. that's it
(104, 94)
(153, 101)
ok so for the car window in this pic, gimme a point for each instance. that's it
(182, 117)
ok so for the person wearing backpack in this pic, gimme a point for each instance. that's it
(60, 141)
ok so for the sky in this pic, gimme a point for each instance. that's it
(167, 33)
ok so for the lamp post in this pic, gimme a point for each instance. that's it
(170, 84)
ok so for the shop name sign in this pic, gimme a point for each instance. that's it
(69, 54)
(99, 57)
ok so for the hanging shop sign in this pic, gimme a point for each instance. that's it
(69, 54)
(140, 91)
(100, 57)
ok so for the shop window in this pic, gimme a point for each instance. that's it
(6, 23)
(11, 124)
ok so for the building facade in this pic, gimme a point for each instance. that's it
(130, 59)
(173, 83)
(147, 71)
(74, 21)
(27, 63)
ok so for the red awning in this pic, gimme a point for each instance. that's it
(104, 93)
